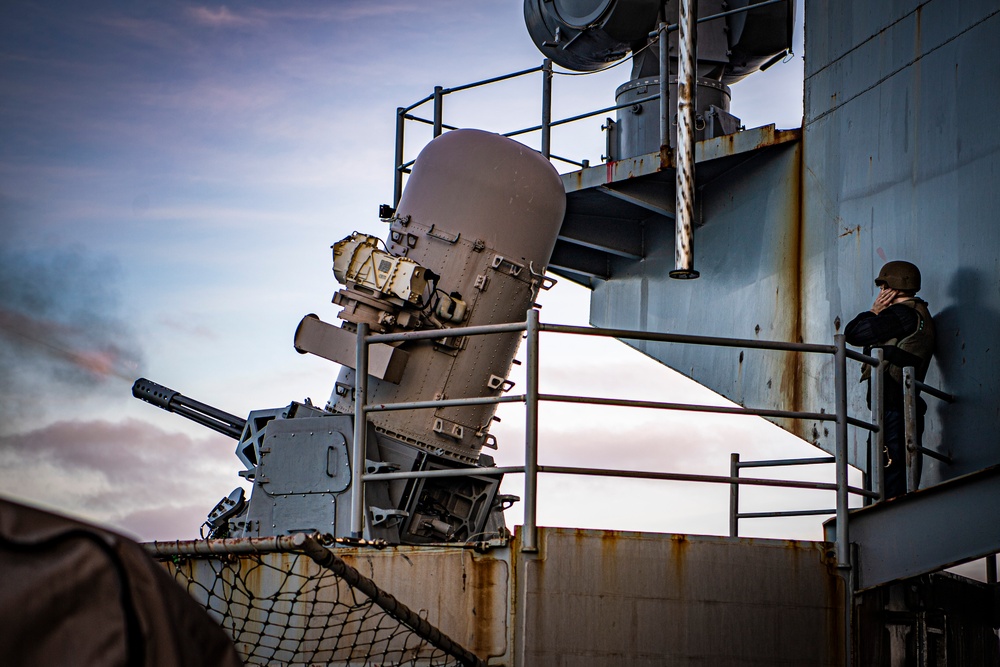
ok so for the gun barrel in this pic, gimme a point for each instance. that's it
(196, 411)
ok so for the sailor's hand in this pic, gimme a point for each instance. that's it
(884, 300)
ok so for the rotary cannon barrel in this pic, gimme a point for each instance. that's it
(196, 411)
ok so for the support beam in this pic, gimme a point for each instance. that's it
(926, 531)
(616, 236)
(663, 204)
(584, 261)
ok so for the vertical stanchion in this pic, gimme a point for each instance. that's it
(547, 108)
(360, 446)
(734, 496)
(910, 429)
(438, 111)
(529, 541)
(840, 387)
(843, 535)
(664, 52)
(878, 410)
(991, 569)
(687, 75)
(397, 177)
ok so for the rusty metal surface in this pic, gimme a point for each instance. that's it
(616, 598)
(894, 169)
(748, 253)
(728, 146)
(464, 594)
(587, 597)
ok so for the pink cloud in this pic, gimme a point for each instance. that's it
(222, 17)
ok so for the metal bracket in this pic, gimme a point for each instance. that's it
(444, 236)
(501, 263)
(505, 501)
(390, 517)
(373, 467)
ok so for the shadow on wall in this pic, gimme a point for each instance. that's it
(967, 331)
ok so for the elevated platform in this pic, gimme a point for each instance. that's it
(607, 205)
(893, 538)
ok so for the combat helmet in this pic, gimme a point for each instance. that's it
(899, 275)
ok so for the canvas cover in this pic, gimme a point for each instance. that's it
(75, 594)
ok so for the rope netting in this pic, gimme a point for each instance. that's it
(309, 607)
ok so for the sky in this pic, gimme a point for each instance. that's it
(172, 176)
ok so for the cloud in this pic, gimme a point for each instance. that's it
(131, 475)
(61, 331)
(221, 17)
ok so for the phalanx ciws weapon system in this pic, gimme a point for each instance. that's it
(468, 245)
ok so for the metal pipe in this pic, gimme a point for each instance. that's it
(360, 446)
(786, 513)
(684, 153)
(878, 409)
(397, 171)
(546, 107)
(529, 541)
(582, 116)
(418, 119)
(991, 569)
(934, 455)
(429, 334)
(448, 472)
(734, 495)
(631, 334)
(623, 474)
(438, 110)
(910, 429)
(690, 477)
(840, 388)
(496, 79)
(787, 462)
(937, 393)
(686, 407)
(445, 403)
(664, 96)
(420, 102)
(242, 545)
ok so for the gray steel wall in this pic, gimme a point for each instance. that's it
(898, 163)
(899, 160)
(599, 598)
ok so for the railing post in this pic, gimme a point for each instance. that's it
(878, 410)
(664, 85)
(360, 445)
(734, 496)
(840, 388)
(547, 108)
(438, 111)
(687, 79)
(397, 177)
(910, 429)
(529, 540)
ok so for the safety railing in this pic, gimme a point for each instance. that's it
(912, 389)
(436, 121)
(404, 114)
(531, 398)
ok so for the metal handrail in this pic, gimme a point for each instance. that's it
(546, 124)
(532, 397)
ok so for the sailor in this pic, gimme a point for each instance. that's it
(901, 325)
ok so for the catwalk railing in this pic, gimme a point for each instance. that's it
(532, 397)
(912, 389)
(546, 123)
